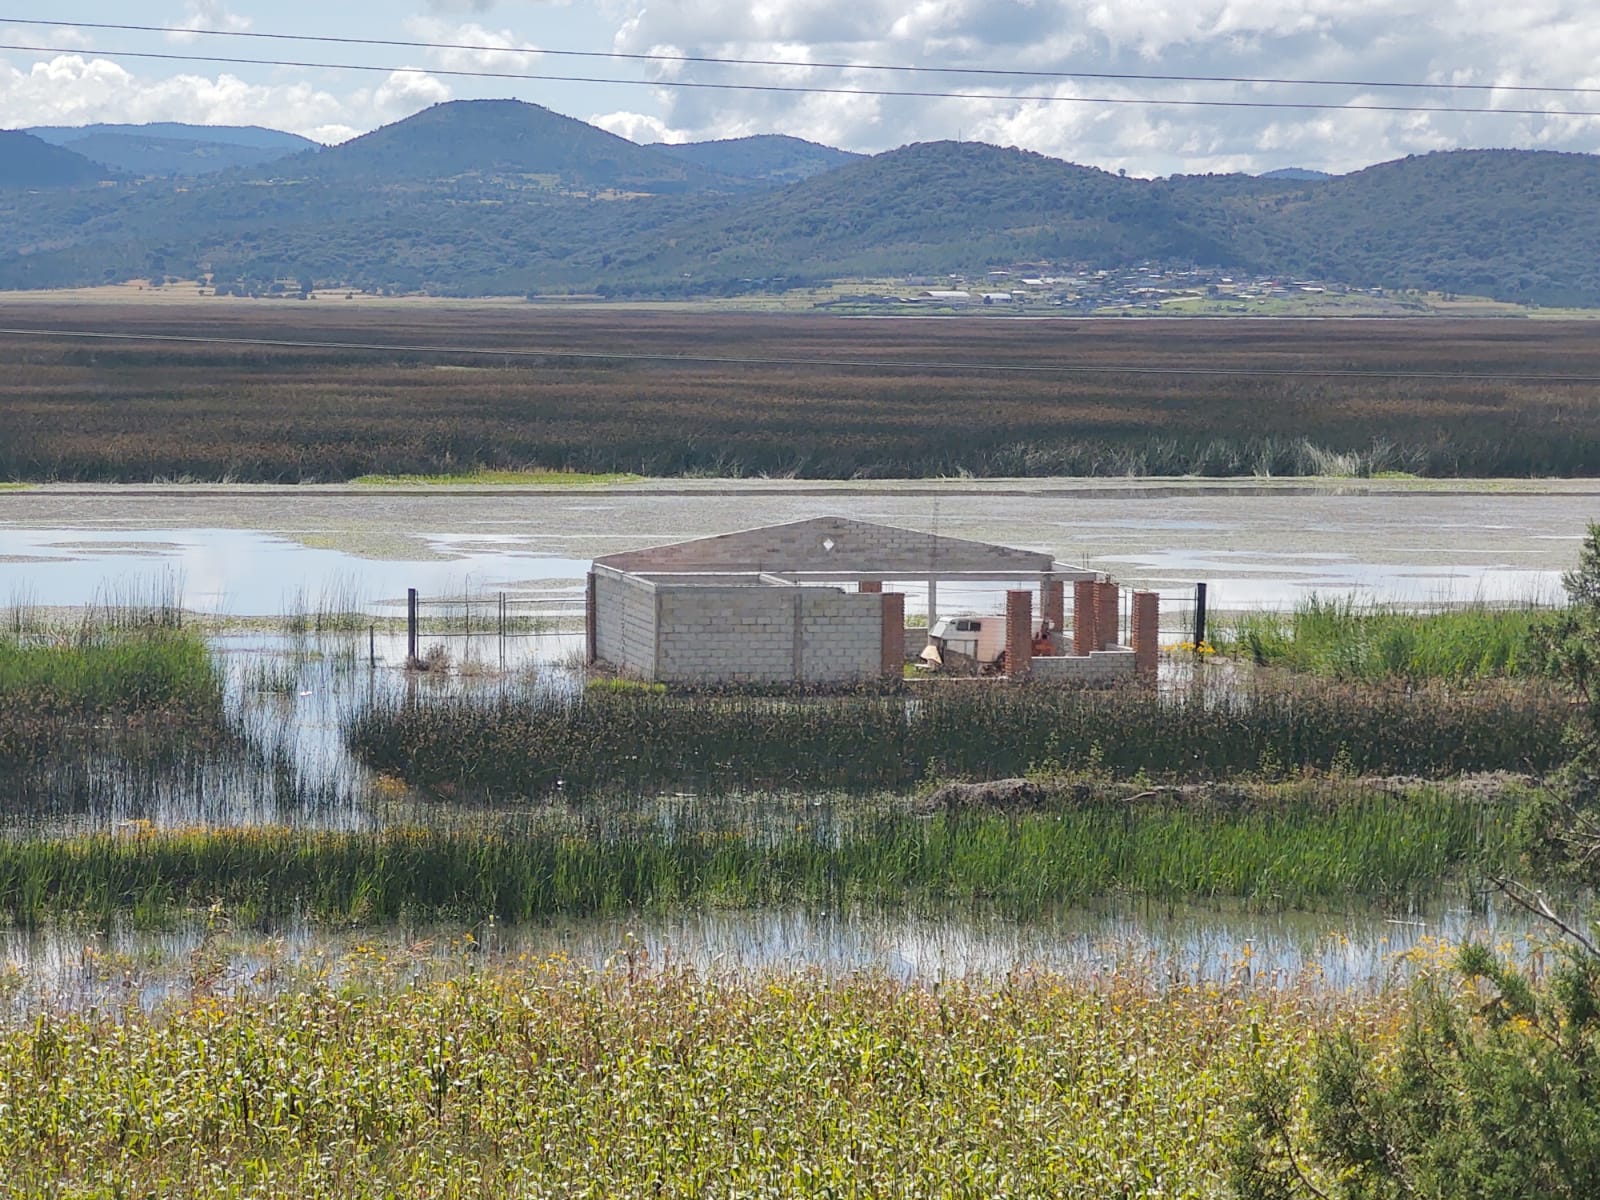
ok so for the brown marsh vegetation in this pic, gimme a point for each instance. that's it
(111, 410)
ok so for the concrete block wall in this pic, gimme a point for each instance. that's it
(767, 635)
(803, 546)
(625, 624)
(1097, 669)
(841, 636)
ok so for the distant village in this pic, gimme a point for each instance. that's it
(1148, 286)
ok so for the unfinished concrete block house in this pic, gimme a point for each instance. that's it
(775, 606)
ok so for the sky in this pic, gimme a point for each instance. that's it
(74, 78)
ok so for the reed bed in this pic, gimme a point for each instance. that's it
(546, 1080)
(1306, 848)
(517, 743)
(1346, 639)
(156, 668)
(142, 412)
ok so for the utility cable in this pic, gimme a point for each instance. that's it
(719, 60)
(804, 89)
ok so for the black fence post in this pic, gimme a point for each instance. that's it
(1199, 614)
(411, 625)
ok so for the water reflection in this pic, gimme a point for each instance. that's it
(1166, 945)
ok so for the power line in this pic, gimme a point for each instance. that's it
(710, 59)
(765, 361)
(457, 73)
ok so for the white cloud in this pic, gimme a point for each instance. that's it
(472, 47)
(1473, 41)
(206, 14)
(409, 90)
(73, 89)
(1462, 41)
(638, 127)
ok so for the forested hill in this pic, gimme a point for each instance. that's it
(498, 140)
(934, 206)
(498, 197)
(1514, 224)
(30, 162)
(769, 157)
(168, 148)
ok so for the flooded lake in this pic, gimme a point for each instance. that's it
(257, 551)
(268, 552)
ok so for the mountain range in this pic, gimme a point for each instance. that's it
(501, 197)
(171, 149)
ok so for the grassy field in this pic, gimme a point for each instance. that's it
(549, 1081)
(1343, 639)
(509, 744)
(1299, 846)
(900, 398)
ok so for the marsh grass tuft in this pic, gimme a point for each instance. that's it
(1345, 639)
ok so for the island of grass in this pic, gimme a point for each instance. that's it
(485, 477)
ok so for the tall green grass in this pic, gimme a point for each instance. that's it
(527, 744)
(155, 668)
(1307, 847)
(145, 689)
(1345, 639)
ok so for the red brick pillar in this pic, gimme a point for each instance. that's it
(1083, 633)
(1107, 620)
(1146, 634)
(894, 635)
(590, 630)
(873, 586)
(1053, 607)
(1019, 634)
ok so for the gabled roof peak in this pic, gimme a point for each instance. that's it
(819, 545)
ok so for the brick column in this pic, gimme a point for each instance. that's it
(1146, 634)
(1083, 632)
(1053, 608)
(873, 586)
(1019, 634)
(590, 628)
(1106, 617)
(894, 635)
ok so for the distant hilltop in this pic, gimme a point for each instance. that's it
(503, 197)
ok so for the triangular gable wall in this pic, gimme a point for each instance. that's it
(821, 544)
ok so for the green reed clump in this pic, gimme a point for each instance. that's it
(104, 672)
(520, 744)
(1304, 848)
(135, 687)
(547, 1080)
(1345, 639)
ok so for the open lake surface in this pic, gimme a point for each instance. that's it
(252, 551)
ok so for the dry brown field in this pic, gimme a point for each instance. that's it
(838, 398)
